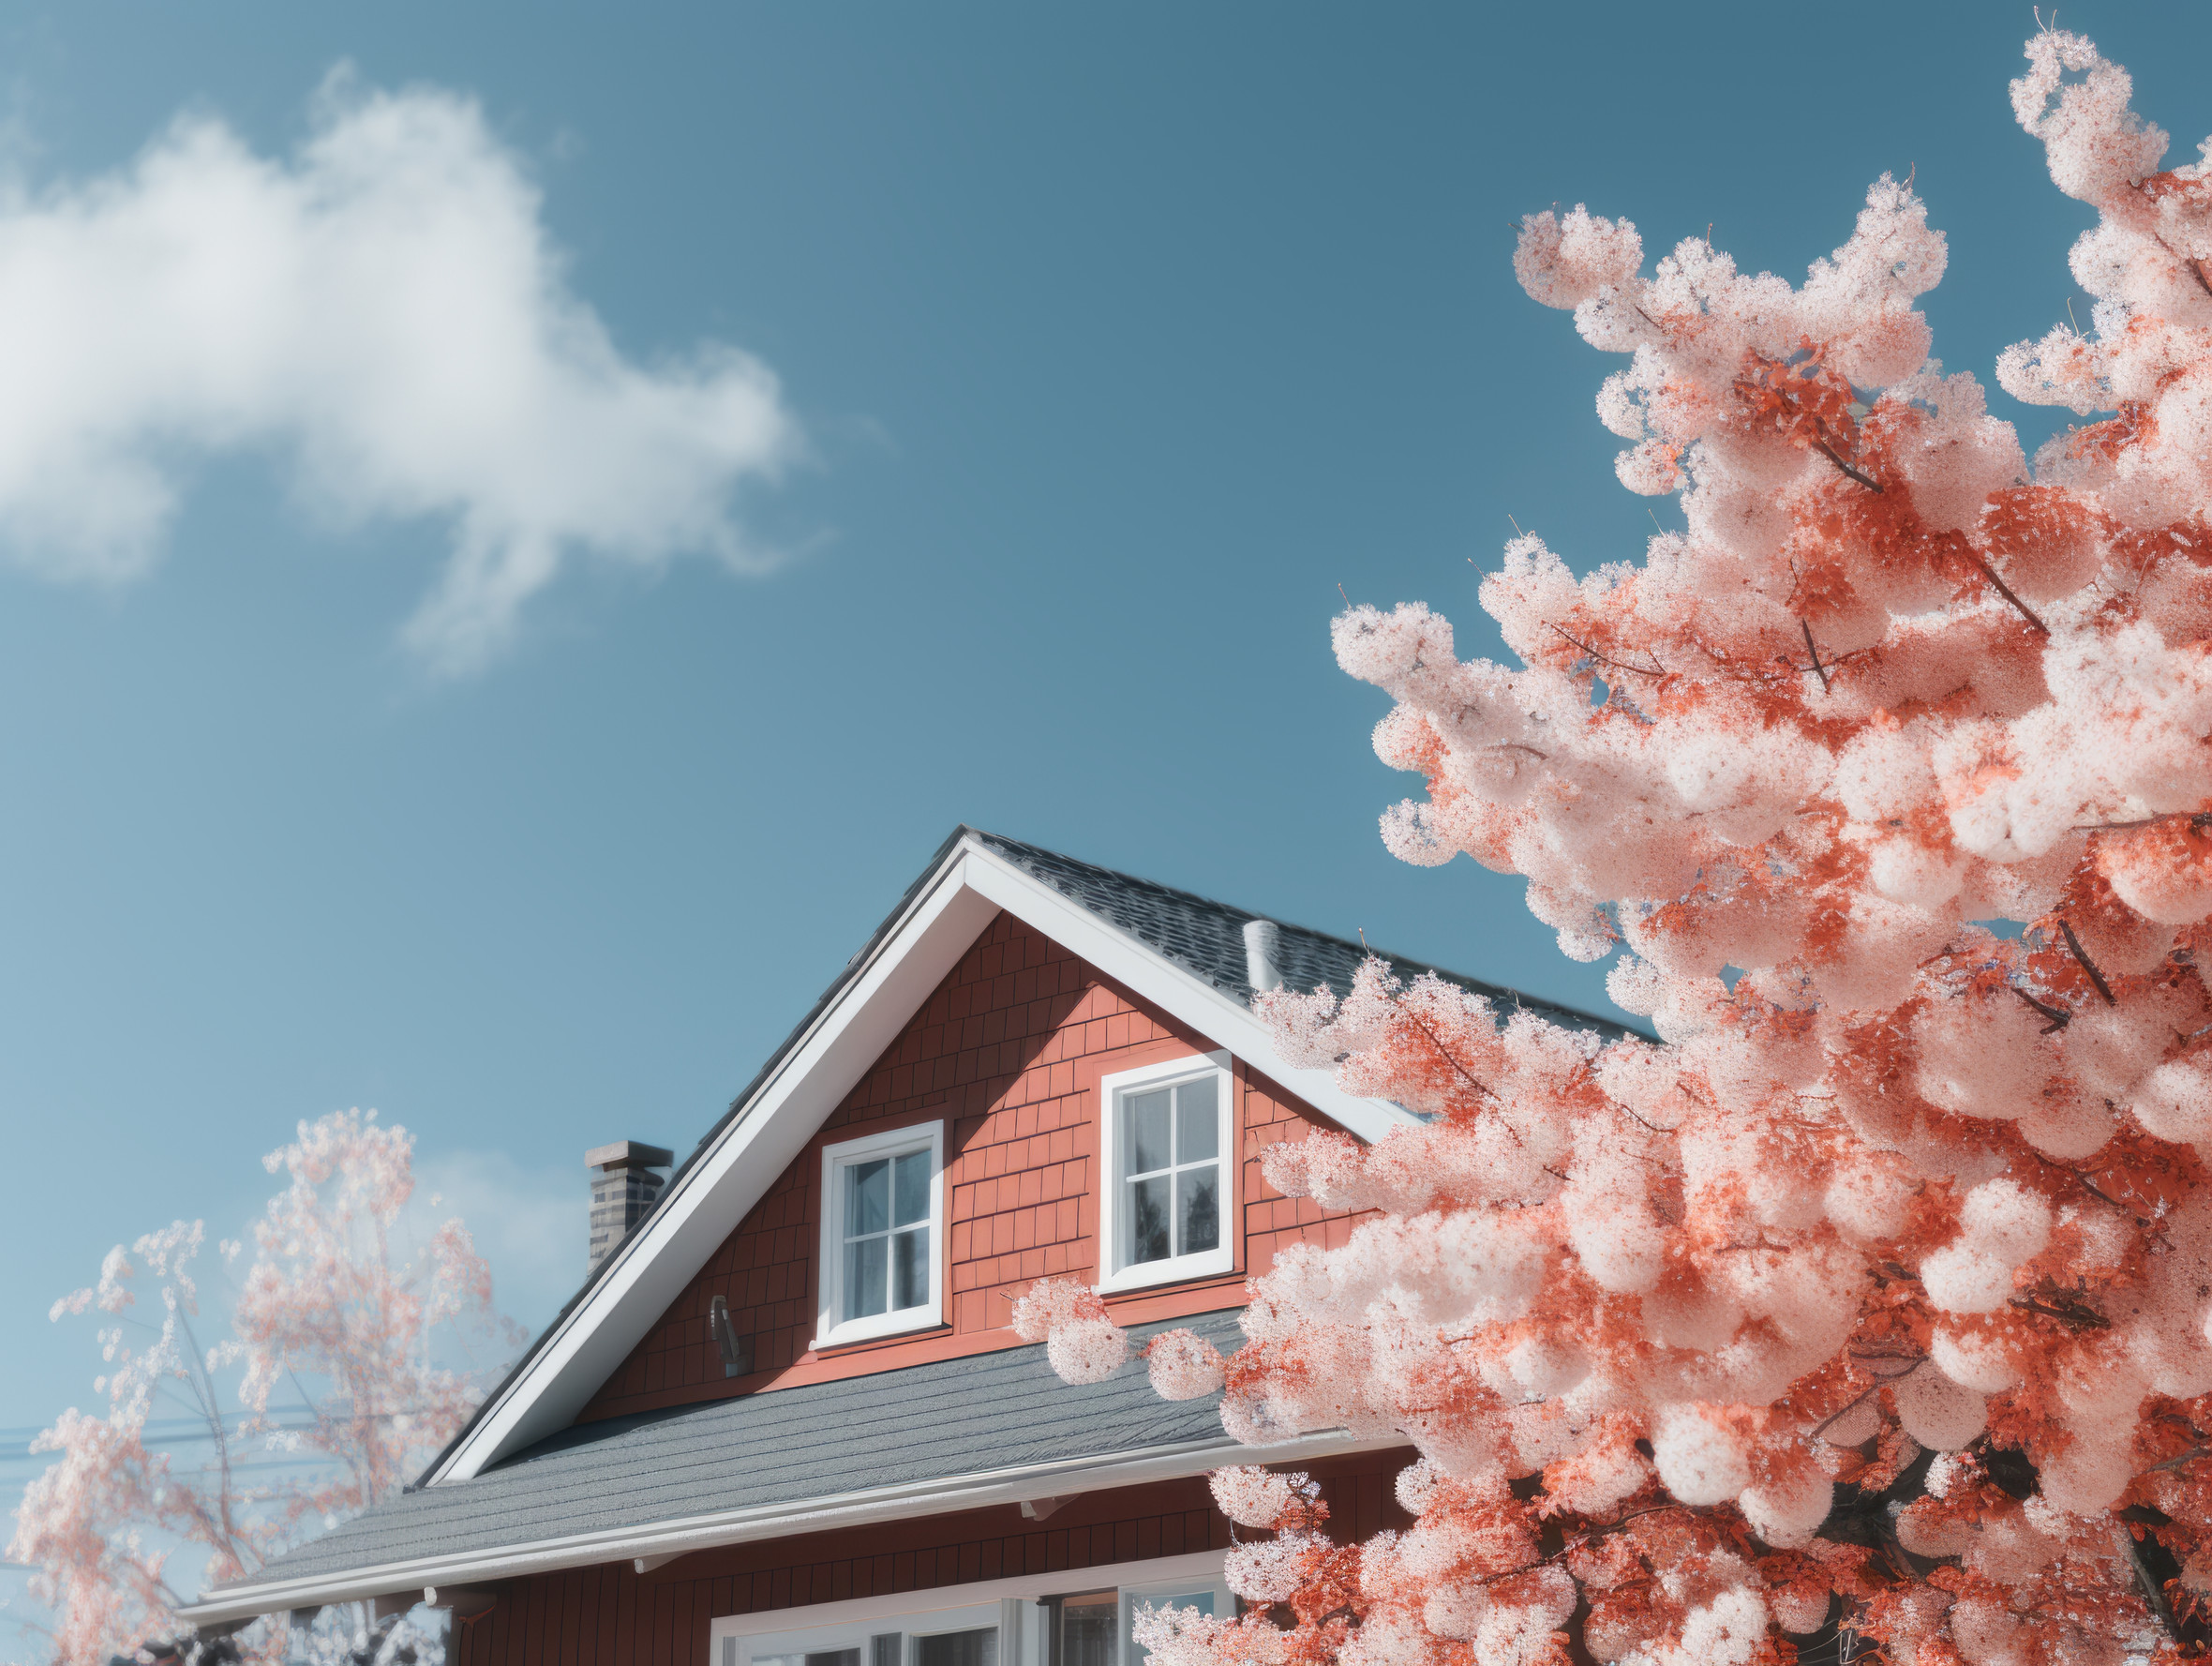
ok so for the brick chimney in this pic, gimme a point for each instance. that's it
(624, 1185)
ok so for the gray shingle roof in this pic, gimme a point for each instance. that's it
(1207, 937)
(986, 1412)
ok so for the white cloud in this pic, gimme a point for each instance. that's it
(384, 312)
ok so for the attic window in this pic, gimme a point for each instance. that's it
(1171, 1190)
(882, 1234)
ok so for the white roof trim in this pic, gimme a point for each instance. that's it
(722, 1184)
(743, 1525)
(1181, 993)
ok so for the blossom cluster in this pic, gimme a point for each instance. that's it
(331, 1333)
(1870, 1303)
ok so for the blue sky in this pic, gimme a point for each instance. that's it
(1112, 341)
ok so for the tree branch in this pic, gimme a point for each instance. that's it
(1819, 668)
(2154, 1597)
(2069, 1309)
(2199, 821)
(1465, 1075)
(2088, 966)
(2005, 590)
(1868, 481)
(1653, 670)
(2059, 1016)
(2176, 1461)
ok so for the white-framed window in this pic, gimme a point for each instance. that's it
(883, 1236)
(1076, 1618)
(1168, 1151)
(963, 1636)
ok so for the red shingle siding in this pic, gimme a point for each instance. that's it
(1267, 1117)
(1008, 1051)
(610, 1615)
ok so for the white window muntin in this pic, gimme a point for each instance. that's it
(1141, 1174)
(881, 1272)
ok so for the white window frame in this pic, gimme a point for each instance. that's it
(1113, 1089)
(860, 1634)
(739, 1640)
(831, 1331)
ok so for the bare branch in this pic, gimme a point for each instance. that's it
(2088, 966)
(1653, 670)
(2199, 821)
(2005, 590)
(1819, 668)
(2059, 1016)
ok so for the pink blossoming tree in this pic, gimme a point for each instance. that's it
(330, 1352)
(1867, 1312)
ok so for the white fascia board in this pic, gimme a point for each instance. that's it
(977, 1491)
(1176, 990)
(720, 1188)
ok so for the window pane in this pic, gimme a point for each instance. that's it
(889, 1649)
(1198, 1190)
(1202, 1600)
(863, 1277)
(913, 1188)
(1197, 1129)
(910, 1269)
(958, 1649)
(868, 1197)
(1148, 1219)
(1147, 1116)
(836, 1656)
(1087, 1633)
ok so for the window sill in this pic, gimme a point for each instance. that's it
(886, 1328)
(1183, 1270)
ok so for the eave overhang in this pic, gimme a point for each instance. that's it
(662, 1540)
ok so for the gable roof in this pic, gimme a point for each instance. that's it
(1182, 952)
(957, 1435)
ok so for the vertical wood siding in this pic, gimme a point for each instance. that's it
(610, 1615)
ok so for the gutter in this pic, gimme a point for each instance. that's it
(662, 1540)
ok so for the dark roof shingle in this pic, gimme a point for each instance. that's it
(1206, 937)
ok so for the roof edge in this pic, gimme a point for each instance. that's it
(975, 1491)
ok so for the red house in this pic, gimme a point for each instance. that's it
(785, 1421)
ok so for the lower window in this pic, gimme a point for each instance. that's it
(948, 1639)
(1098, 1628)
(1034, 1620)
